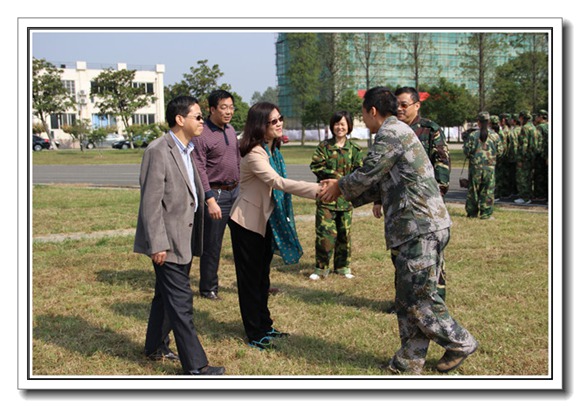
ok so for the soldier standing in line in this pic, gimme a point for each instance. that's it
(526, 154)
(508, 160)
(433, 140)
(398, 173)
(334, 158)
(541, 162)
(482, 148)
(500, 168)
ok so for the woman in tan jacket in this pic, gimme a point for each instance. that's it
(262, 220)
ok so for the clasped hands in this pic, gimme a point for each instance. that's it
(329, 190)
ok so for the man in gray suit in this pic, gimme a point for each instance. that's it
(170, 231)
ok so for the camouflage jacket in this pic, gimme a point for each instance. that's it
(397, 172)
(433, 140)
(509, 144)
(331, 161)
(544, 139)
(527, 142)
(483, 153)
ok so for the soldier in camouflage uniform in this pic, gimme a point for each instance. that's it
(526, 154)
(433, 140)
(541, 162)
(506, 172)
(398, 173)
(334, 158)
(482, 148)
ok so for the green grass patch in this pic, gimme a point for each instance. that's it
(91, 297)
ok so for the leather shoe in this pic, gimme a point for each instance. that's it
(212, 295)
(208, 371)
(161, 354)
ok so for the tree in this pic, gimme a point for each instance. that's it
(521, 83)
(416, 47)
(334, 60)
(49, 95)
(240, 114)
(80, 131)
(351, 102)
(478, 60)
(269, 95)
(303, 73)
(199, 83)
(119, 97)
(368, 52)
(449, 105)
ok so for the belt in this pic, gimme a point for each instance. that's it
(224, 187)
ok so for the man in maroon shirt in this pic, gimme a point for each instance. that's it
(217, 157)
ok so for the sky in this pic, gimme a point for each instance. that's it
(247, 59)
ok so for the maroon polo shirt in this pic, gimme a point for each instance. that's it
(217, 156)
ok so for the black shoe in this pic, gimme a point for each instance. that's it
(160, 354)
(274, 333)
(208, 371)
(263, 344)
(212, 295)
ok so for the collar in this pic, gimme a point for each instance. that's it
(186, 149)
(214, 127)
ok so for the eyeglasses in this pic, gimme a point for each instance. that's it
(405, 105)
(226, 107)
(275, 121)
(199, 117)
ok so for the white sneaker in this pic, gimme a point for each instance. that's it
(314, 276)
(519, 201)
(349, 275)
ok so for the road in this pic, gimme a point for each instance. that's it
(127, 175)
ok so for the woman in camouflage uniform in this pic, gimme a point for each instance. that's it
(333, 159)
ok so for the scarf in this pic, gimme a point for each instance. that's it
(285, 241)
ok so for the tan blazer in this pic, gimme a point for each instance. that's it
(167, 221)
(254, 205)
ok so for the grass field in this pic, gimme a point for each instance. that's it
(91, 297)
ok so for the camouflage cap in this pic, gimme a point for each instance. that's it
(505, 116)
(483, 116)
(494, 119)
(526, 114)
(543, 113)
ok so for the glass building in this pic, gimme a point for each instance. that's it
(442, 54)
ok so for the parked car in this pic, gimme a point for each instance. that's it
(106, 142)
(40, 143)
(138, 141)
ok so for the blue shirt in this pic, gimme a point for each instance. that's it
(186, 157)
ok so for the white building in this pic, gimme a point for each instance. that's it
(78, 80)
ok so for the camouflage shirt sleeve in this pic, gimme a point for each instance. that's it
(440, 159)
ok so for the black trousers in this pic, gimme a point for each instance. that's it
(213, 236)
(252, 258)
(172, 309)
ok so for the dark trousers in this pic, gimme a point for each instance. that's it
(172, 309)
(213, 235)
(252, 258)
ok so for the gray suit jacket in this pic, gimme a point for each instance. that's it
(167, 221)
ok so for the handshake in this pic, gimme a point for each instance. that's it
(329, 190)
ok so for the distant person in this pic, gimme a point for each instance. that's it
(334, 158)
(218, 159)
(482, 148)
(542, 156)
(526, 155)
(262, 220)
(169, 230)
(397, 172)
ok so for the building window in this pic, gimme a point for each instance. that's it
(70, 86)
(143, 119)
(146, 86)
(103, 120)
(60, 119)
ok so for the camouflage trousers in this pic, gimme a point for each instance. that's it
(524, 179)
(480, 192)
(332, 240)
(505, 178)
(540, 178)
(422, 314)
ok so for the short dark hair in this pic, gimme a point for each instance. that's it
(179, 105)
(411, 91)
(337, 116)
(214, 97)
(256, 125)
(382, 99)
